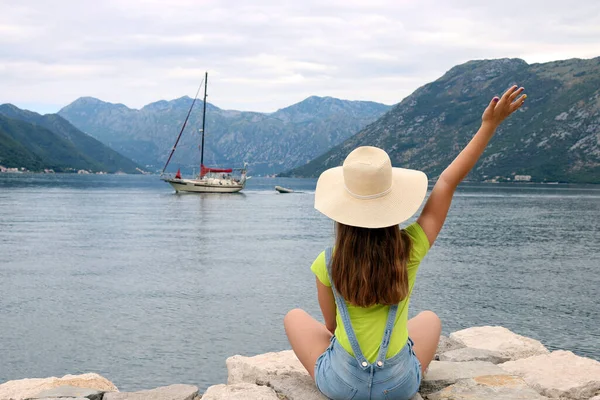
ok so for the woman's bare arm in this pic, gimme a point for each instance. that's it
(327, 304)
(436, 209)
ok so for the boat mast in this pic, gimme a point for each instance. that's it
(203, 119)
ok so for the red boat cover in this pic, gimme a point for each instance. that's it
(204, 170)
(178, 175)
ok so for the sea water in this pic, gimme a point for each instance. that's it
(120, 276)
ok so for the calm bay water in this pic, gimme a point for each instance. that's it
(118, 275)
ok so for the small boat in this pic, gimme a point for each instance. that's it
(209, 180)
(283, 190)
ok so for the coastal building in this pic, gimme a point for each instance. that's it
(522, 178)
(14, 170)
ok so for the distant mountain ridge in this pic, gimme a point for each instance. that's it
(270, 142)
(36, 142)
(554, 137)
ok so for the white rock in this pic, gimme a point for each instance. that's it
(171, 392)
(490, 387)
(25, 388)
(281, 371)
(296, 388)
(445, 373)
(559, 374)
(240, 391)
(501, 340)
(446, 344)
(263, 367)
(64, 398)
(471, 354)
(70, 391)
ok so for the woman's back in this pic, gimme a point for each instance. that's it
(369, 322)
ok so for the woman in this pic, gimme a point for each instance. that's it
(368, 349)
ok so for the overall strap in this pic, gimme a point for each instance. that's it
(385, 342)
(341, 305)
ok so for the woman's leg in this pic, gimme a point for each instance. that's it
(425, 330)
(309, 338)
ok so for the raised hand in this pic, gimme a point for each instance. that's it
(436, 209)
(500, 108)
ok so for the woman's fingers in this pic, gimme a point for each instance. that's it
(507, 94)
(518, 103)
(493, 102)
(514, 94)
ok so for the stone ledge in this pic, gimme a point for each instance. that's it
(446, 344)
(533, 373)
(496, 387)
(172, 392)
(499, 339)
(28, 388)
(445, 373)
(560, 374)
(240, 391)
(471, 354)
(69, 392)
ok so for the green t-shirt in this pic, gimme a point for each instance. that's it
(369, 323)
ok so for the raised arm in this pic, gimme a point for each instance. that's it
(434, 213)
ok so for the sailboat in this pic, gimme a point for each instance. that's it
(209, 180)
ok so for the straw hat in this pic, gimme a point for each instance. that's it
(368, 192)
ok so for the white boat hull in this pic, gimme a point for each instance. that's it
(283, 190)
(204, 186)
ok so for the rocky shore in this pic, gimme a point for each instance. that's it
(475, 363)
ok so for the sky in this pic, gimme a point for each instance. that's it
(262, 55)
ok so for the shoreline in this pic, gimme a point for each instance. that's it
(487, 362)
(431, 182)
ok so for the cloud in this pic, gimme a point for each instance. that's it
(267, 54)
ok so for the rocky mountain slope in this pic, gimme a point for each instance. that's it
(555, 136)
(36, 142)
(269, 142)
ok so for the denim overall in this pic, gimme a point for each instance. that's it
(341, 376)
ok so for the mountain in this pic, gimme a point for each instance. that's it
(269, 142)
(35, 148)
(37, 141)
(555, 136)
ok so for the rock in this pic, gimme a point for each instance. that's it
(263, 367)
(445, 373)
(297, 388)
(559, 374)
(490, 387)
(501, 340)
(595, 398)
(172, 392)
(471, 354)
(65, 398)
(281, 371)
(417, 397)
(70, 391)
(240, 391)
(446, 344)
(26, 388)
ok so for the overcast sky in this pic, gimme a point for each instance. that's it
(262, 55)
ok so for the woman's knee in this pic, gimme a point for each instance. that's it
(432, 319)
(293, 315)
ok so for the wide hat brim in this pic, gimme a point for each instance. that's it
(409, 188)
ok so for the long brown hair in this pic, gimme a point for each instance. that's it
(369, 266)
